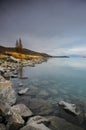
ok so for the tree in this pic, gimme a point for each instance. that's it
(19, 45)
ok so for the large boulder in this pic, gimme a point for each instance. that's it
(35, 126)
(7, 93)
(5, 109)
(22, 110)
(36, 123)
(15, 122)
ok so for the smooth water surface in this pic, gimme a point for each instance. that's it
(52, 81)
(59, 79)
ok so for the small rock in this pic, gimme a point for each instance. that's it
(70, 107)
(22, 110)
(14, 76)
(23, 91)
(20, 84)
(6, 75)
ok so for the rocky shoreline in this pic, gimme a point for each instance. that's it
(17, 116)
(9, 68)
(19, 113)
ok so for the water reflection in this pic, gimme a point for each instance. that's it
(20, 72)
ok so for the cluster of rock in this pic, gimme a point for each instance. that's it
(17, 116)
(10, 68)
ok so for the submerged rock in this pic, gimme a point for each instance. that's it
(58, 123)
(22, 110)
(7, 93)
(70, 107)
(44, 94)
(40, 106)
(20, 84)
(23, 91)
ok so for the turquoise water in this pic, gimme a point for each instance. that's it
(52, 81)
(62, 78)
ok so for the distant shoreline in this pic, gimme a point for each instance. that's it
(60, 57)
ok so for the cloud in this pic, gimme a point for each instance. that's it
(56, 27)
(81, 51)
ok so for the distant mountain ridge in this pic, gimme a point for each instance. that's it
(3, 50)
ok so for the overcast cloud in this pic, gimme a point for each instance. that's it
(57, 27)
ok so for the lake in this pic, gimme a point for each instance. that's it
(67, 76)
(55, 80)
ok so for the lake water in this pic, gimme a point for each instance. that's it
(62, 78)
(55, 80)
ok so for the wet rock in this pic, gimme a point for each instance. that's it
(61, 124)
(22, 110)
(7, 93)
(38, 120)
(36, 123)
(70, 107)
(14, 76)
(5, 109)
(20, 84)
(35, 126)
(33, 92)
(2, 126)
(23, 91)
(15, 122)
(2, 79)
(7, 75)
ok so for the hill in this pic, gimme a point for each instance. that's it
(9, 50)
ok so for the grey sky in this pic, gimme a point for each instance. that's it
(57, 27)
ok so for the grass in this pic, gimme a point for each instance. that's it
(23, 56)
